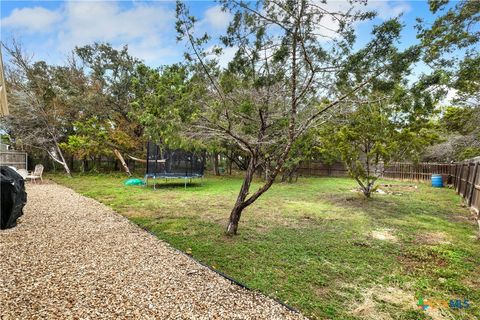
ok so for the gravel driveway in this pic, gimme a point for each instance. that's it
(71, 257)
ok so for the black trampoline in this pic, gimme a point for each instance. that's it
(173, 164)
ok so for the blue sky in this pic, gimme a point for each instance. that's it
(50, 29)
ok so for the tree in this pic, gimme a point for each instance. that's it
(451, 44)
(109, 105)
(281, 82)
(163, 103)
(387, 121)
(39, 99)
(370, 136)
(460, 140)
(302, 150)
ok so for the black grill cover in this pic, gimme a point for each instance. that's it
(13, 197)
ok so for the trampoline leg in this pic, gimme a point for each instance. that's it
(154, 183)
(185, 184)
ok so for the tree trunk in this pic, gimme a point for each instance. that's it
(229, 164)
(84, 165)
(240, 203)
(367, 190)
(122, 161)
(98, 163)
(289, 173)
(367, 193)
(216, 170)
(63, 162)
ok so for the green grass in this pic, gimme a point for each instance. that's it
(310, 243)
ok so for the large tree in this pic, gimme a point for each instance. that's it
(281, 81)
(107, 125)
(373, 132)
(451, 44)
(41, 98)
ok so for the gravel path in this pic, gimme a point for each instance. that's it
(71, 257)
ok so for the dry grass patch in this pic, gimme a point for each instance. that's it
(432, 238)
(370, 307)
(384, 235)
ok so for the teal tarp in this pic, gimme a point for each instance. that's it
(133, 182)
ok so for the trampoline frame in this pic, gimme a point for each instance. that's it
(186, 179)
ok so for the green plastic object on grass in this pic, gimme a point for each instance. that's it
(134, 182)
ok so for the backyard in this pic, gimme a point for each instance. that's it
(317, 244)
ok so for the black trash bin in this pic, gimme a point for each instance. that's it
(13, 197)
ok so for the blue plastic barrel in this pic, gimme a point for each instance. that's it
(437, 181)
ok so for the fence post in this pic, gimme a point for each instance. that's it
(472, 187)
(454, 177)
(466, 181)
(459, 178)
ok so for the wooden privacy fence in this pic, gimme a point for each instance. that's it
(17, 159)
(466, 181)
(464, 176)
(398, 170)
(317, 168)
(420, 172)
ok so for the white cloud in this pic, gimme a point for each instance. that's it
(387, 10)
(106, 21)
(147, 28)
(216, 18)
(227, 56)
(451, 95)
(32, 20)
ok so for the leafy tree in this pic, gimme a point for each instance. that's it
(371, 135)
(451, 44)
(108, 105)
(282, 80)
(457, 119)
(302, 150)
(460, 137)
(163, 103)
(39, 99)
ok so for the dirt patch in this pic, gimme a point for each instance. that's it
(391, 189)
(321, 291)
(399, 187)
(473, 281)
(420, 263)
(384, 235)
(432, 238)
(369, 308)
(373, 299)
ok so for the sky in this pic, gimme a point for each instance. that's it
(49, 30)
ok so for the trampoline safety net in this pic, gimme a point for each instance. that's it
(164, 163)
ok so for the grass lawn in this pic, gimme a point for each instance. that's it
(315, 244)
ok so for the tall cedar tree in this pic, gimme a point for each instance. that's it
(281, 81)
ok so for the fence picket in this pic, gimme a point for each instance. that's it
(472, 188)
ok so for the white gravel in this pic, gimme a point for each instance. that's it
(71, 257)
